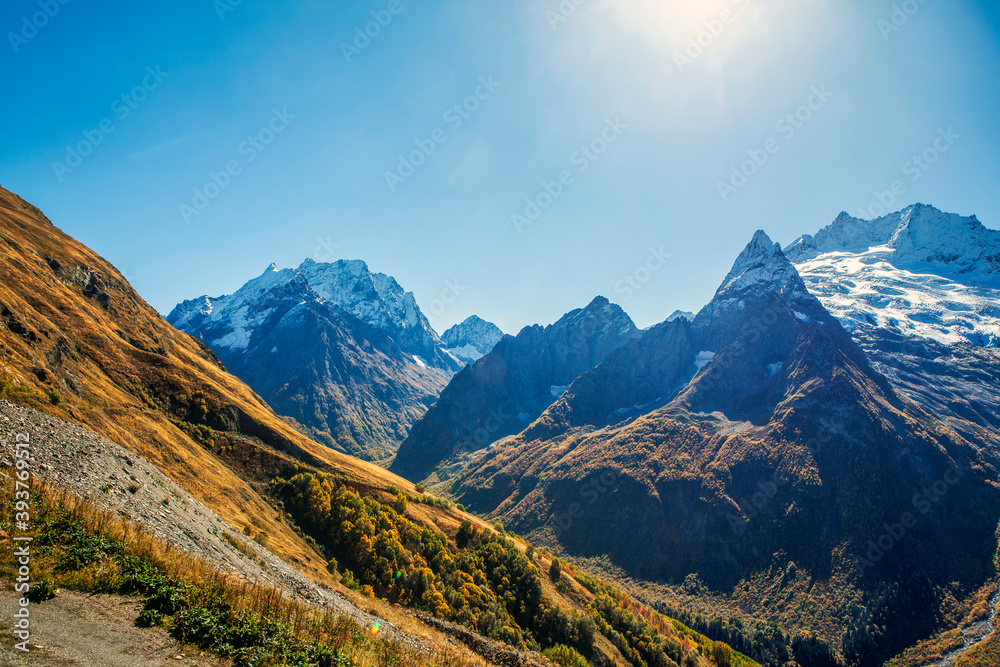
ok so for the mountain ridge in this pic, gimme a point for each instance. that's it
(339, 373)
(507, 388)
(778, 397)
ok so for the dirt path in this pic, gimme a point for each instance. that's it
(102, 634)
(117, 480)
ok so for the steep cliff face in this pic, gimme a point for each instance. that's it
(340, 379)
(771, 439)
(512, 385)
(471, 339)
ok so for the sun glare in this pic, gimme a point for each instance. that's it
(670, 16)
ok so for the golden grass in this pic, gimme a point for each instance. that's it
(307, 622)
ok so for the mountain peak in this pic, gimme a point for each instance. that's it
(761, 263)
(680, 314)
(920, 271)
(374, 298)
(761, 270)
(599, 313)
(919, 234)
(598, 302)
(471, 339)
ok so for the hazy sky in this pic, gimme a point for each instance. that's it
(619, 119)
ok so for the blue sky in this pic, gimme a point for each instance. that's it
(619, 119)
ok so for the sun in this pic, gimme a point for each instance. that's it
(661, 13)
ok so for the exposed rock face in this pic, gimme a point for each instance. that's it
(472, 339)
(509, 387)
(767, 437)
(374, 298)
(342, 380)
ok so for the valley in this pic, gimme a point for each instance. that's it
(777, 479)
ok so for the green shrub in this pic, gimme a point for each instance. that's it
(564, 656)
(149, 618)
(42, 591)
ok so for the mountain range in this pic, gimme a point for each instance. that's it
(508, 388)
(80, 345)
(784, 427)
(814, 450)
(342, 353)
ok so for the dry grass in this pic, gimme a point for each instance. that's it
(308, 623)
(121, 370)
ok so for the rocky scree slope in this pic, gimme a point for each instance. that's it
(116, 480)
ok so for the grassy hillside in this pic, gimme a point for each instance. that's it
(77, 342)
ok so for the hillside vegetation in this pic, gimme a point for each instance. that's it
(78, 343)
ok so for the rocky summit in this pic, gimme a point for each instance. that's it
(343, 354)
(471, 339)
(508, 388)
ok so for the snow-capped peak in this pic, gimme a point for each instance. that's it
(472, 339)
(918, 271)
(762, 263)
(680, 314)
(949, 244)
(762, 269)
(374, 298)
